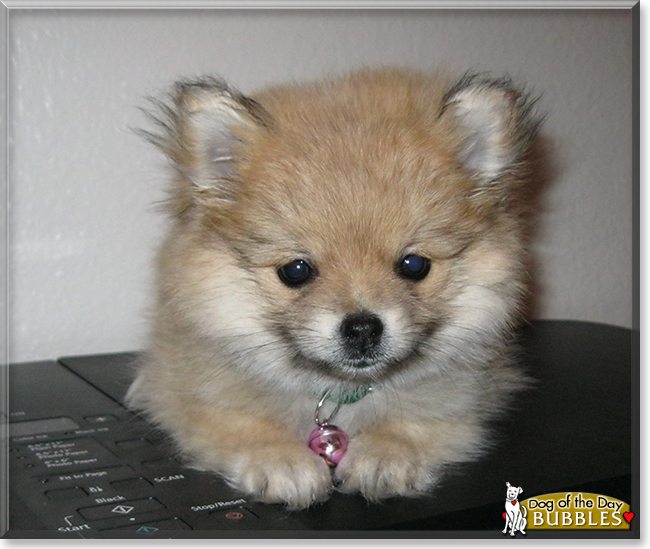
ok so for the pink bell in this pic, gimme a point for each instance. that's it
(329, 442)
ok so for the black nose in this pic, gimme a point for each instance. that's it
(362, 331)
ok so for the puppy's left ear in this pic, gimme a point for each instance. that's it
(495, 124)
(203, 128)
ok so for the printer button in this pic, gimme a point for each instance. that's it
(233, 519)
(103, 418)
(65, 494)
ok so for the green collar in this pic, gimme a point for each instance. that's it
(350, 397)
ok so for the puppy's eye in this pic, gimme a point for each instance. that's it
(414, 267)
(296, 273)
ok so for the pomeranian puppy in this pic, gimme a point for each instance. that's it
(337, 294)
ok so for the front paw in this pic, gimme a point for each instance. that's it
(292, 475)
(380, 469)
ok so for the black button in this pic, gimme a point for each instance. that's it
(150, 529)
(93, 476)
(132, 485)
(64, 456)
(134, 443)
(64, 494)
(121, 509)
(160, 463)
(104, 418)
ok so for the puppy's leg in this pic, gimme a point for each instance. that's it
(401, 458)
(255, 455)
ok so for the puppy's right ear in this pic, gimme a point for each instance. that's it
(202, 129)
(496, 125)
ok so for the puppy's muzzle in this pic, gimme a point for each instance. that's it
(361, 334)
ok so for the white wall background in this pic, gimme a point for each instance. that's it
(83, 187)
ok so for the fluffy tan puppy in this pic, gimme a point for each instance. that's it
(360, 232)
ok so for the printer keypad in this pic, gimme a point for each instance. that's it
(113, 476)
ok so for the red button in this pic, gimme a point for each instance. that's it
(234, 515)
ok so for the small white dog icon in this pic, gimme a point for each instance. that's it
(515, 513)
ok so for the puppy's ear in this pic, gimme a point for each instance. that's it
(495, 123)
(203, 127)
(521, 490)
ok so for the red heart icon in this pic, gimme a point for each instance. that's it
(628, 516)
(504, 515)
(513, 502)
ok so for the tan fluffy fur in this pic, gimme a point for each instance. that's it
(351, 174)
